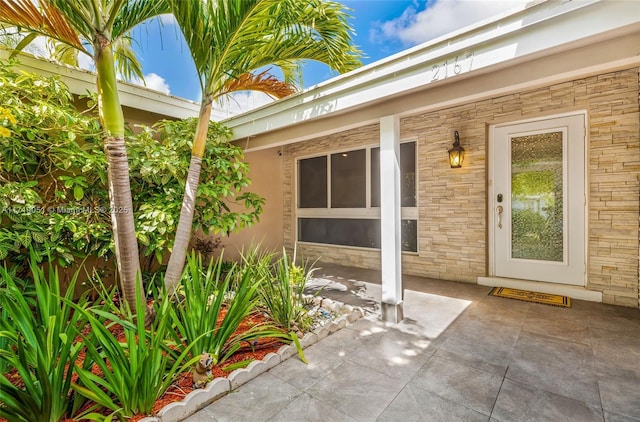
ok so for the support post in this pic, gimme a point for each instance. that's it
(390, 218)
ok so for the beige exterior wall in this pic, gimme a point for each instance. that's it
(452, 229)
(265, 171)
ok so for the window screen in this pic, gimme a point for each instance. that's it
(312, 182)
(407, 175)
(349, 179)
(353, 232)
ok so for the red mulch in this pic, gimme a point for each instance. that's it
(183, 384)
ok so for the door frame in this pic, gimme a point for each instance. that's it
(491, 214)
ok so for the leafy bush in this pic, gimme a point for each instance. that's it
(41, 169)
(159, 165)
(53, 180)
(40, 343)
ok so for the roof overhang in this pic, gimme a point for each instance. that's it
(80, 82)
(540, 43)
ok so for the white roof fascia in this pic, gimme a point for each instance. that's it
(532, 31)
(82, 81)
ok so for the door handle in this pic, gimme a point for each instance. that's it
(499, 209)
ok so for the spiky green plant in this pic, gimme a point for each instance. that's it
(135, 372)
(200, 302)
(40, 343)
(282, 293)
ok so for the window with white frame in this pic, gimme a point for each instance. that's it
(338, 200)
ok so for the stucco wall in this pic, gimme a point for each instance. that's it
(133, 116)
(452, 227)
(265, 171)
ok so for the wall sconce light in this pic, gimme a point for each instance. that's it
(456, 154)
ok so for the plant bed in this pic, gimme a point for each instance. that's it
(88, 359)
(178, 408)
(268, 352)
(183, 384)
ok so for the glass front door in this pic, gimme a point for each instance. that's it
(538, 200)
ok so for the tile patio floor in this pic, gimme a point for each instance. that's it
(458, 355)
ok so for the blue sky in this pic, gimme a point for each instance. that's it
(383, 27)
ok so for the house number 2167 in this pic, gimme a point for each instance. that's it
(455, 67)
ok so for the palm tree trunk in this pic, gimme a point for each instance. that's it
(183, 232)
(124, 233)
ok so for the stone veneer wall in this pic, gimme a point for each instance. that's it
(352, 139)
(452, 232)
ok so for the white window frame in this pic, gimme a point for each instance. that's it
(368, 212)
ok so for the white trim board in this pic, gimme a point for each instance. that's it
(516, 76)
(574, 292)
(542, 29)
(81, 81)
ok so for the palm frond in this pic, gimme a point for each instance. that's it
(81, 15)
(230, 38)
(63, 53)
(126, 61)
(263, 82)
(134, 12)
(319, 32)
(291, 71)
(196, 24)
(41, 17)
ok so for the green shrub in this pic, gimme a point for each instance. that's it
(282, 293)
(199, 303)
(159, 165)
(40, 343)
(53, 180)
(136, 372)
(43, 155)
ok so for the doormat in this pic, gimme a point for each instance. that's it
(527, 296)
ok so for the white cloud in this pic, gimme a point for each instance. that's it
(168, 19)
(239, 102)
(85, 62)
(157, 82)
(153, 81)
(39, 48)
(414, 27)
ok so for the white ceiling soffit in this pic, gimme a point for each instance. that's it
(532, 31)
(82, 81)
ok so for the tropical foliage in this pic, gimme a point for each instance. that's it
(200, 308)
(159, 165)
(87, 358)
(45, 166)
(277, 33)
(40, 345)
(98, 29)
(135, 373)
(53, 190)
(282, 293)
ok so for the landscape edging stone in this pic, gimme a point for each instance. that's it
(219, 387)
